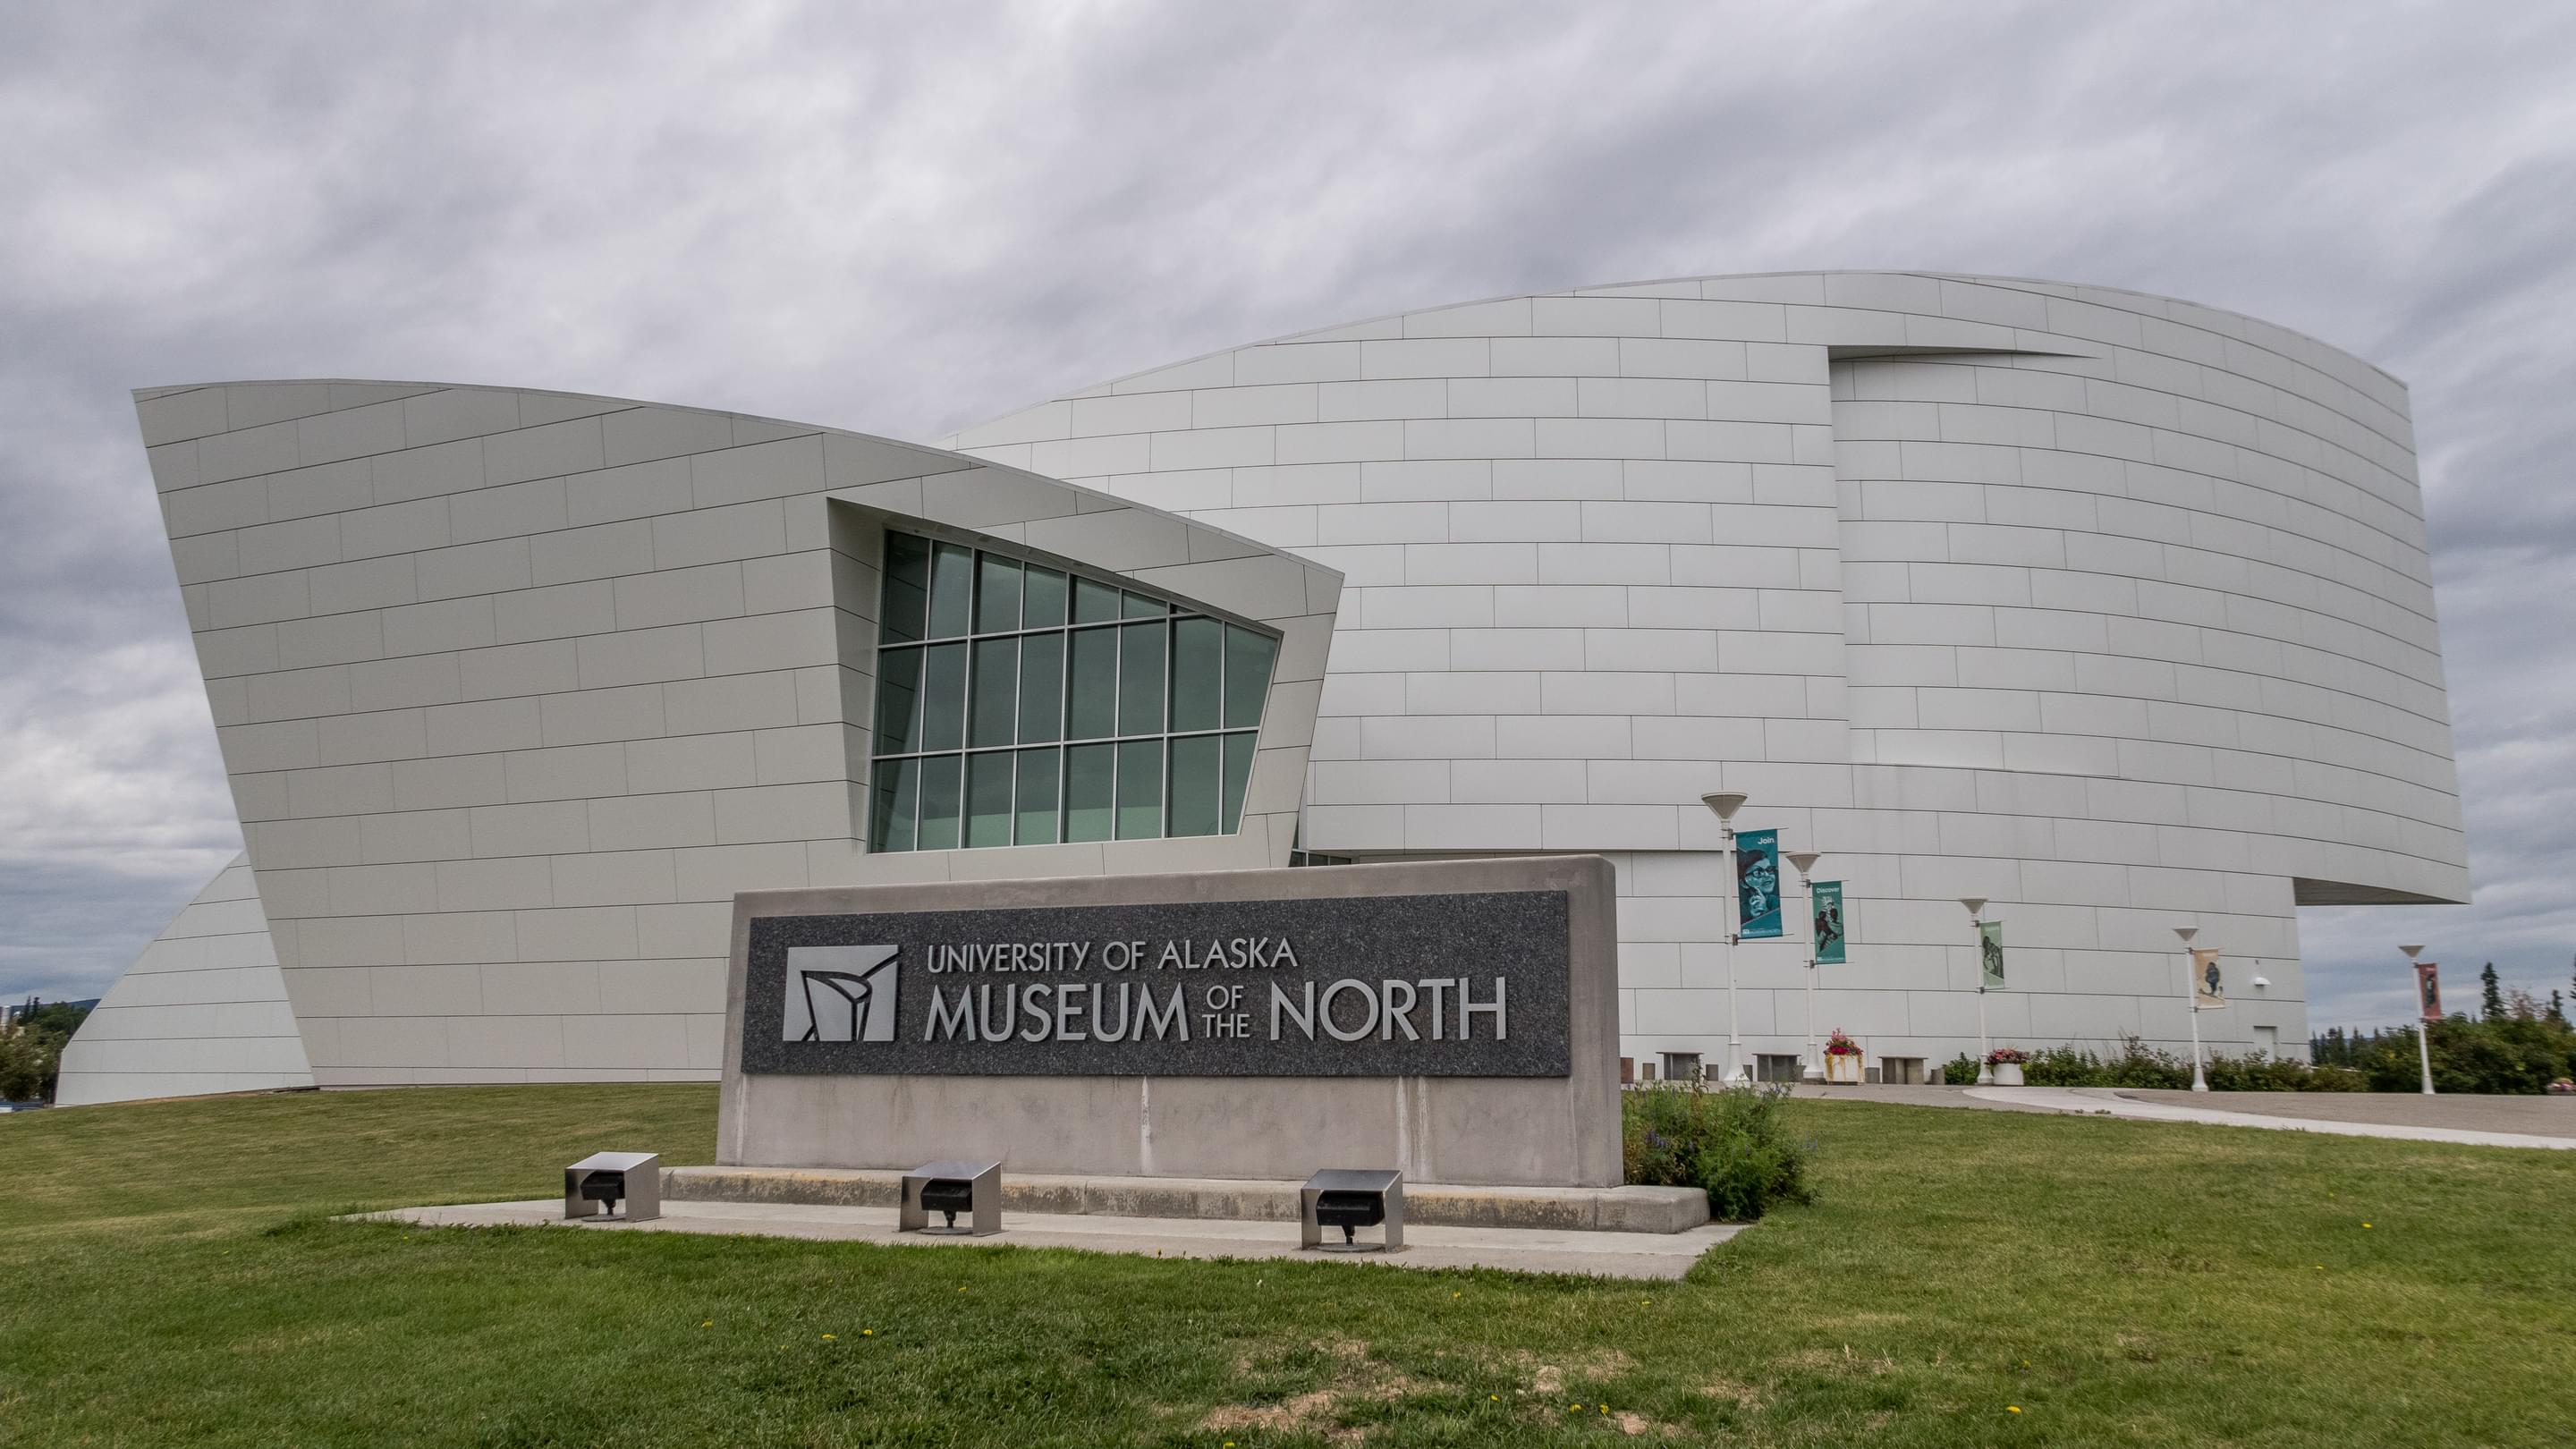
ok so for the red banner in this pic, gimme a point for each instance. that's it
(2428, 990)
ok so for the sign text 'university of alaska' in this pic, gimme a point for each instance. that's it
(1421, 985)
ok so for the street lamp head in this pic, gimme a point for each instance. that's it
(1804, 861)
(1725, 803)
(2186, 932)
(2412, 951)
(1976, 905)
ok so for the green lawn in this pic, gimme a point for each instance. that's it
(168, 1276)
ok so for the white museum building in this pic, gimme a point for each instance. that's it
(2112, 609)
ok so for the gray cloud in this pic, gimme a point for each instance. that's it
(902, 219)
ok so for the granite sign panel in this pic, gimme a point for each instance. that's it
(1473, 984)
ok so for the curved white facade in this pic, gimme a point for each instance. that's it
(2112, 609)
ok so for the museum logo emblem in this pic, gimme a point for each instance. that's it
(840, 993)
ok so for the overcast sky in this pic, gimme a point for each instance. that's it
(900, 219)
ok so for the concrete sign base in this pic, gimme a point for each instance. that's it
(827, 983)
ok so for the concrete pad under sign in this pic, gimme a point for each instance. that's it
(1598, 1254)
(1573, 1209)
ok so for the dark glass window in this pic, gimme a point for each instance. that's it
(985, 662)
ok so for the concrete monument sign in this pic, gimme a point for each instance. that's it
(1454, 1018)
(1467, 984)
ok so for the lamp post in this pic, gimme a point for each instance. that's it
(1813, 1066)
(2191, 1002)
(1976, 921)
(2423, 1028)
(1723, 804)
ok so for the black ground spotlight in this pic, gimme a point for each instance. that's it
(1351, 1199)
(950, 1188)
(594, 1186)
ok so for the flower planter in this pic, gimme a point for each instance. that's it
(2007, 1074)
(1845, 1069)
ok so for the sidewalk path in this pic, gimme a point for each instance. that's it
(2119, 1103)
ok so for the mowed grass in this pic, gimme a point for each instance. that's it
(169, 1275)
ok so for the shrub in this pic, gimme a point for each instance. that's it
(2065, 1066)
(1960, 1071)
(2507, 1054)
(2140, 1065)
(1733, 1143)
(2263, 1074)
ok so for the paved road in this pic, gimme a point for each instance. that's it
(2477, 1120)
(2122, 1103)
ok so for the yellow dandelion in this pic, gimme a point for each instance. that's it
(1457, 1295)
(2012, 1408)
(2365, 1225)
(1605, 1408)
(710, 1323)
(867, 1333)
(1493, 1398)
(1574, 1408)
(831, 1337)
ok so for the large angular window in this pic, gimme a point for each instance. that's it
(1021, 705)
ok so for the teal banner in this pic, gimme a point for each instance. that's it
(1990, 947)
(1757, 884)
(1829, 923)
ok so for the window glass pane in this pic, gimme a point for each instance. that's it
(951, 585)
(907, 586)
(1037, 797)
(1041, 687)
(1238, 772)
(1198, 673)
(895, 794)
(939, 802)
(1194, 794)
(1093, 601)
(988, 798)
(1044, 607)
(1087, 772)
(1083, 660)
(1140, 789)
(1247, 675)
(898, 700)
(1091, 690)
(943, 698)
(997, 595)
(1140, 679)
(997, 696)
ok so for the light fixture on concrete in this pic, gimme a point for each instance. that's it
(2423, 1028)
(1812, 1067)
(1985, 1047)
(2191, 1001)
(594, 1186)
(1351, 1199)
(1723, 804)
(950, 1188)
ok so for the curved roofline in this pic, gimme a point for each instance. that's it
(962, 460)
(1978, 277)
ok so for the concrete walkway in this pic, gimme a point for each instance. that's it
(1601, 1254)
(2238, 1112)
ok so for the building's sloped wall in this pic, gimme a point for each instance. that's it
(2111, 608)
(203, 1009)
(516, 690)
